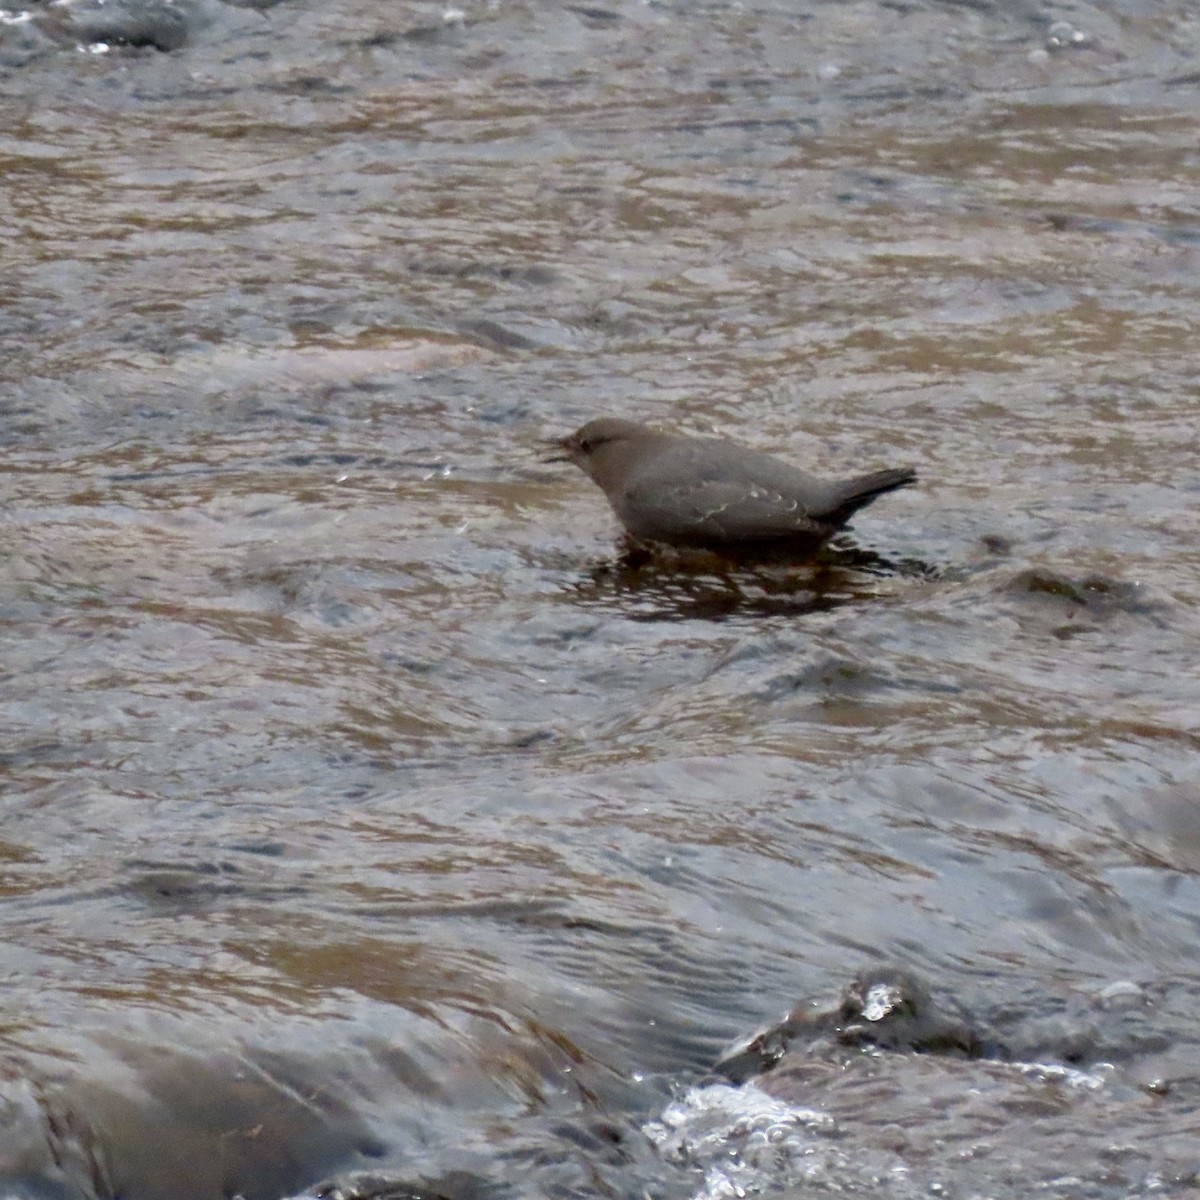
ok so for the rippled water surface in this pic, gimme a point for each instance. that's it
(368, 820)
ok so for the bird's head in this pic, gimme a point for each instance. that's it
(594, 447)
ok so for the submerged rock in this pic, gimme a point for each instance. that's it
(1095, 594)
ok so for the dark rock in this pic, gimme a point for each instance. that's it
(156, 24)
(884, 1007)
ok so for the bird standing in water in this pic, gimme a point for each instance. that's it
(713, 494)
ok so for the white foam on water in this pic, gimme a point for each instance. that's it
(743, 1140)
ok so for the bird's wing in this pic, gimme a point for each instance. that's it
(714, 510)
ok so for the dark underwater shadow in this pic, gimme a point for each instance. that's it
(666, 585)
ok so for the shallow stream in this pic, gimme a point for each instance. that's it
(367, 822)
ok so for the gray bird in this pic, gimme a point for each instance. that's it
(713, 494)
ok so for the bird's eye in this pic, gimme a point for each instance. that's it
(585, 445)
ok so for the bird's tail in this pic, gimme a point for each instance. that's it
(858, 492)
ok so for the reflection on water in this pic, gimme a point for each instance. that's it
(368, 821)
(651, 585)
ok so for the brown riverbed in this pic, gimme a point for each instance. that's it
(363, 813)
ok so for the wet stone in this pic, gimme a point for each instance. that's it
(884, 1007)
(155, 24)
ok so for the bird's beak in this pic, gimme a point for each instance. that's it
(556, 450)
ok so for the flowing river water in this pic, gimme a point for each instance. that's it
(371, 827)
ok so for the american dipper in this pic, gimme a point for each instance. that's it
(712, 494)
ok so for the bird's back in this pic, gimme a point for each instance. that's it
(706, 491)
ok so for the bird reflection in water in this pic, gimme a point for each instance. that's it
(654, 584)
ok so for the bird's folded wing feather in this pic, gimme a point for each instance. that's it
(717, 509)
